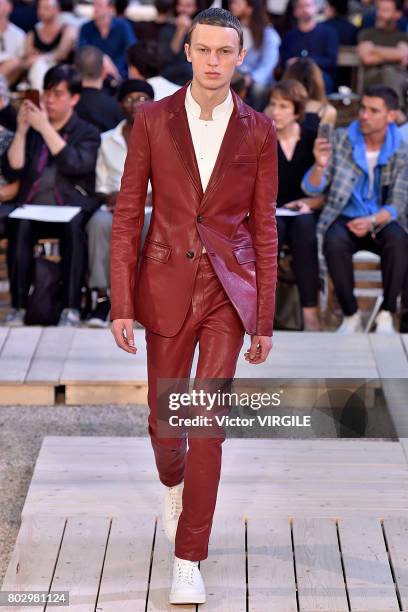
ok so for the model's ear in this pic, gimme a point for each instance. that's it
(241, 56)
(187, 52)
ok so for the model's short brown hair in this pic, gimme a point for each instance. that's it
(293, 91)
(217, 17)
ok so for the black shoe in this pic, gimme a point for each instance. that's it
(404, 322)
(99, 316)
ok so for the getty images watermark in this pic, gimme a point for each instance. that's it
(211, 402)
(282, 408)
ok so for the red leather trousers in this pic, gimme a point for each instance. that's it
(214, 324)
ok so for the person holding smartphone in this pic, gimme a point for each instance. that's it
(364, 171)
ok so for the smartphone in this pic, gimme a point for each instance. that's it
(325, 131)
(33, 95)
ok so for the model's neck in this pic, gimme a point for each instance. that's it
(208, 99)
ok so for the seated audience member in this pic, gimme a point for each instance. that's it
(311, 39)
(336, 13)
(262, 43)
(144, 63)
(8, 115)
(95, 104)
(109, 170)
(370, 15)
(295, 156)
(366, 174)
(24, 14)
(318, 109)
(150, 30)
(112, 35)
(12, 45)
(172, 38)
(50, 42)
(8, 191)
(383, 50)
(53, 156)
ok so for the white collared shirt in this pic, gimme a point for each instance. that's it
(111, 160)
(206, 135)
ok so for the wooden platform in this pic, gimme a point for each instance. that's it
(84, 366)
(300, 526)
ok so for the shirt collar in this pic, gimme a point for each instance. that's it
(219, 112)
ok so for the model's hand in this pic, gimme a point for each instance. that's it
(122, 330)
(259, 349)
(359, 226)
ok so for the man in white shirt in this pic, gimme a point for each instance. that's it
(109, 169)
(12, 44)
(212, 162)
(144, 63)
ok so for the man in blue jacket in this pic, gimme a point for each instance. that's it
(365, 173)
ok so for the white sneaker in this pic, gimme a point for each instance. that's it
(384, 323)
(70, 317)
(188, 586)
(173, 505)
(351, 324)
(15, 318)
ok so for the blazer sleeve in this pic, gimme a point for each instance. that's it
(128, 219)
(262, 222)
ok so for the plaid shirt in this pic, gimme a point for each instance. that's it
(340, 177)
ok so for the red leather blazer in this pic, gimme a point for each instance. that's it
(234, 218)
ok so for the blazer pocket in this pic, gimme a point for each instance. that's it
(156, 250)
(244, 254)
(244, 159)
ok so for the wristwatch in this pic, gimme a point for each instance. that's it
(373, 222)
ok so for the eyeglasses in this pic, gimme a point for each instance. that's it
(132, 100)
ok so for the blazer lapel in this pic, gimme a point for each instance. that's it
(180, 132)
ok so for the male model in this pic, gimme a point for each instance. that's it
(207, 271)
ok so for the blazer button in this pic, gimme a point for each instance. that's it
(200, 219)
(190, 254)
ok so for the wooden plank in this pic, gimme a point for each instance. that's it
(127, 564)
(18, 394)
(94, 357)
(368, 575)
(34, 556)
(17, 353)
(271, 577)
(3, 335)
(318, 566)
(100, 394)
(392, 365)
(224, 569)
(396, 533)
(80, 562)
(162, 574)
(50, 355)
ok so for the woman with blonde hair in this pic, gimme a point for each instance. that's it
(318, 109)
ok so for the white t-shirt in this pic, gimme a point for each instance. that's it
(372, 157)
(12, 42)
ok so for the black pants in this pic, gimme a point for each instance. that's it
(391, 243)
(73, 249)
(5, 210)
(299, 233)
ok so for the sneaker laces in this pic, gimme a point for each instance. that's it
(175, 502)
(185, 571)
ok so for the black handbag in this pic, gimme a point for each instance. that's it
(288, 310)
(45, 300)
